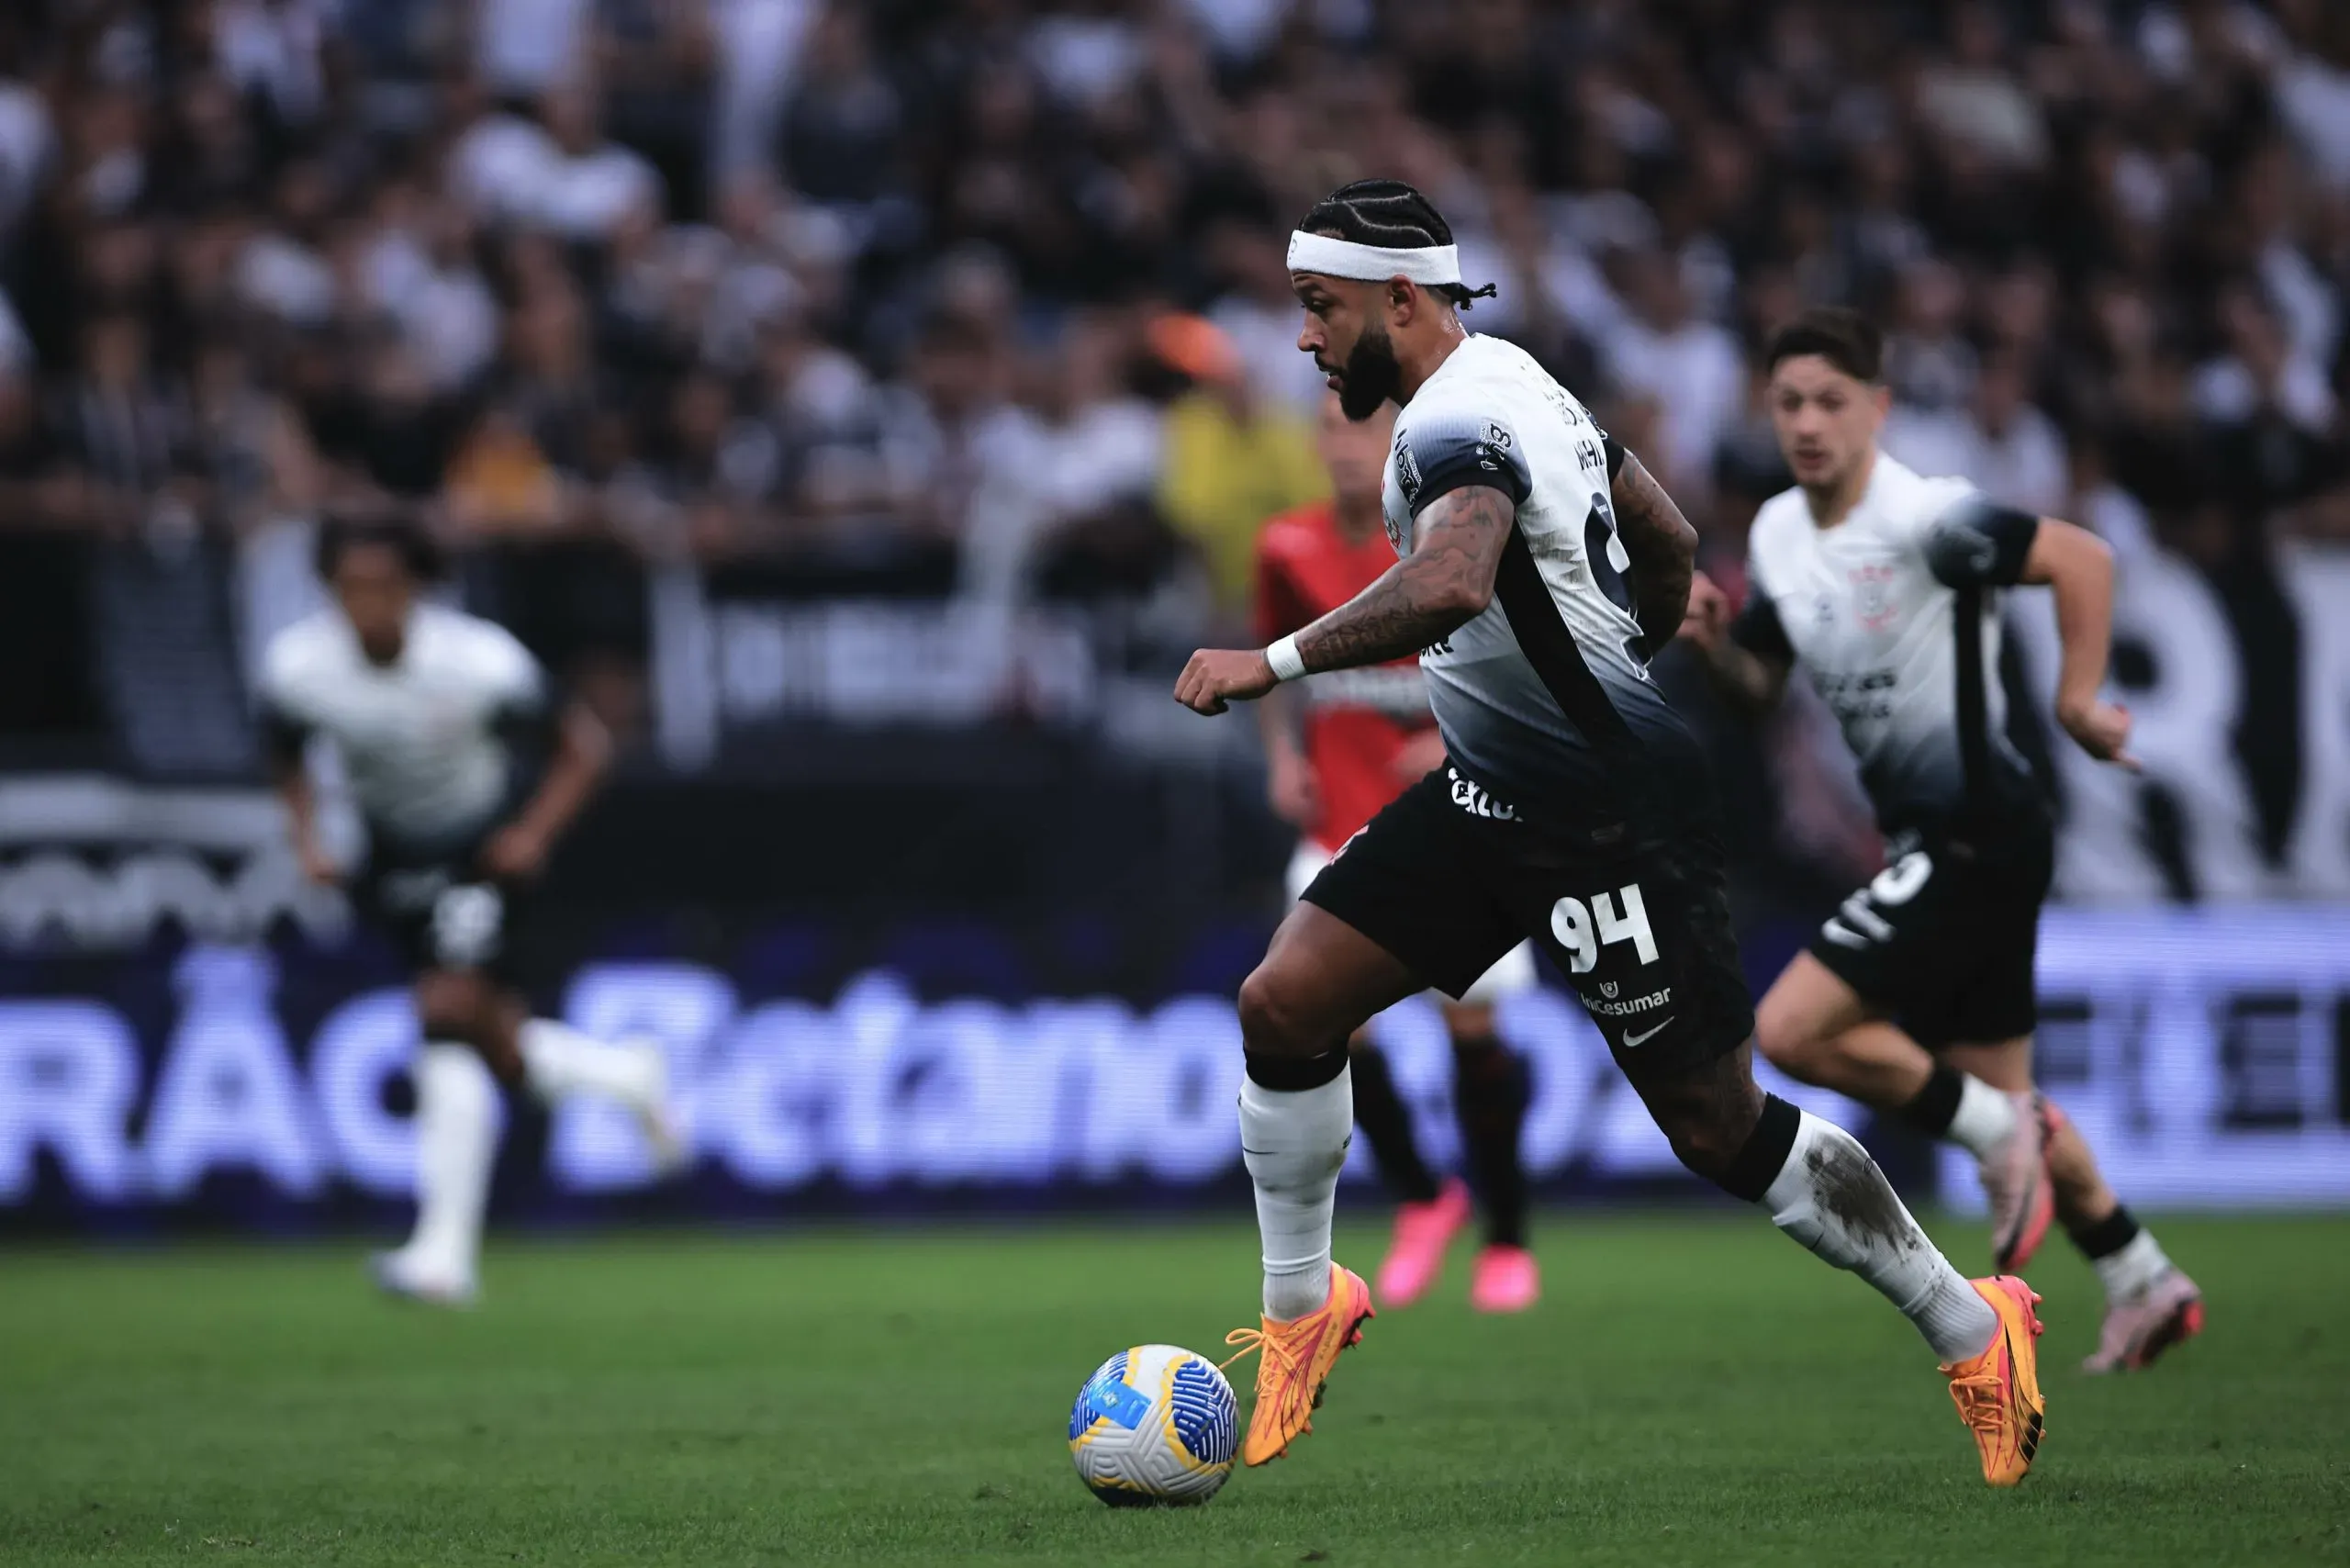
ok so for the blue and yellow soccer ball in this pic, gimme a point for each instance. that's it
(1157, 1425)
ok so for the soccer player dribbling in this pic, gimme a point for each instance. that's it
(1917, 996)
(1356, 739)
(1539, 566)
(431, 711)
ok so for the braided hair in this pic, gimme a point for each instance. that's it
(1389, 213)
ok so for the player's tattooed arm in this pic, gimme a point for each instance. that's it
(1426, 597)
(1663, 546)
(1444, 583)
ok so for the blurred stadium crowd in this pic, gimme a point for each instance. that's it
(985, 299)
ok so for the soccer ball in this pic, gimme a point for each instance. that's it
(1155, 1426)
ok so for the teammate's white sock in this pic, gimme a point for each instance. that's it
(1984, 1119)
(1294, 1142)
(456, 1145)
(1831, 1197)
(559, 1060)
(2133, 1271)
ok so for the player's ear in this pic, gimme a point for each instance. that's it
(1881, 394)
(1400, 301)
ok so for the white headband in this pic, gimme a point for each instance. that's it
(1428, 264)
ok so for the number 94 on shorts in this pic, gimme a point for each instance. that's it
(1641, 930)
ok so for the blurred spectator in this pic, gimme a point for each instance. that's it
(1085, 439)
(1083, 447)
(421, 273)
(251, 452)
(2017, 453)
(1233, 457)
(273, 52)
(395, 49)
(1974, 96)
(838, 141)
(523, 49)
(1690, 366)
(829, 420)
(285, 269)
(2313, 87)
(947, 423)
(1257, 312)
(126, 431)
(2260, 372)
(716, 472)
(655, 60)
(1929, 361)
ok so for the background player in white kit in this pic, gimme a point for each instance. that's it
(1885, 586)
(427, 707)
(1574, 808)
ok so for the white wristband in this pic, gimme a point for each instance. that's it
(1288, 664)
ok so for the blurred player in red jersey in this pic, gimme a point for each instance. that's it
(1338, 753)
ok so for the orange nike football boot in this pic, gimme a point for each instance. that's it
(1998, 1393)
(1294, 1360)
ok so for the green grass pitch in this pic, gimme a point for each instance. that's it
(1693, 1389)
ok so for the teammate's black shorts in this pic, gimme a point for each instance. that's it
(1640, 927)
(440, 912)
(1943, 941)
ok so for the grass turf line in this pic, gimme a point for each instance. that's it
(1693, 1389)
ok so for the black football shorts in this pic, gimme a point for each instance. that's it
(1641, 928)
(1943, 940)
(442, 913)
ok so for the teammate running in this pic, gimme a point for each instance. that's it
(1363, 736)
(1886, 587)
(1574, 808)
(424, 705)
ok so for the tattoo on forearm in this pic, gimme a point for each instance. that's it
(1663, 546)
(1427, 595)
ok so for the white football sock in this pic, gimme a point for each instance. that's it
(1984, 1119)
(1831, 1197)
(2132, 1271)
(456, 1145)
(558, 1061)
(1294, 1142)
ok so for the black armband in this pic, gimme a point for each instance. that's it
(1616, 454)
(1449, 452)
(528, 724)
(1980, 543)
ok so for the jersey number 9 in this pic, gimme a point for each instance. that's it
(467, 925)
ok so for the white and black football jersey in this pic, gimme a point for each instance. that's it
(1894, 615)
(424, 739)
(1544, 698)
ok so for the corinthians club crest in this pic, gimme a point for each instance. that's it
(1873, 595)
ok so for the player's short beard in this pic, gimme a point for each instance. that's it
(1370, 375)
